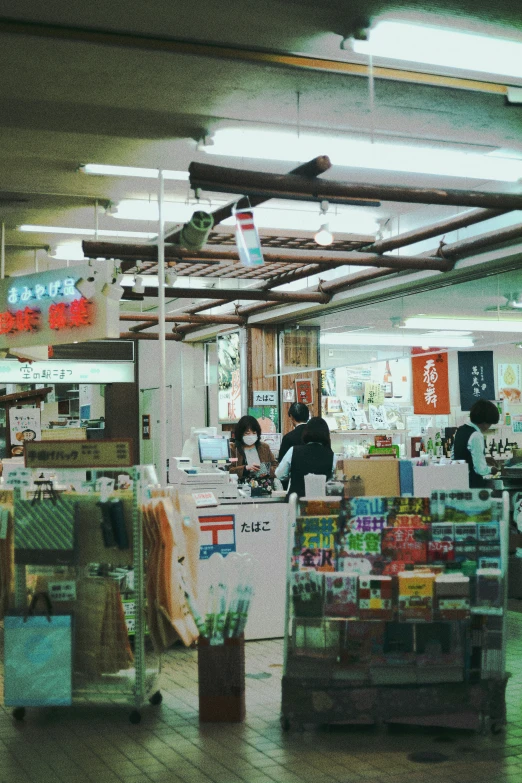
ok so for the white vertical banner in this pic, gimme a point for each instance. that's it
(247, 238)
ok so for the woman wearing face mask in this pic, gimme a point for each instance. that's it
(254, 458)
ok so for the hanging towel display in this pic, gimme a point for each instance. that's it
(44, 532)
(38, 658)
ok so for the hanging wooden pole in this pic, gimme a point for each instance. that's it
(220, 179)
(230, 294)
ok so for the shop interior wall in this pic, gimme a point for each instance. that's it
(186, 397)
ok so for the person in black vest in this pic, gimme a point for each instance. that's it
(315, 455)
(469, 441)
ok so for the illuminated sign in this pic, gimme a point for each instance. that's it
(49, 308)
(66, 372)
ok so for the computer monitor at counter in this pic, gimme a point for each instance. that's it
(213, 449)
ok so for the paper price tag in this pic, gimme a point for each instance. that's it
(62, 591)
(203, 499)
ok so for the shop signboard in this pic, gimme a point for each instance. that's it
(476, 377)
(57, 307)
(65, 372)
(229, 377)
(264, 398)
(71, 454)
(430, 382)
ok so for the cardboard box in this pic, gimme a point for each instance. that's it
(380, 476)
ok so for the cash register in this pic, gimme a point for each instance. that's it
(203, 461)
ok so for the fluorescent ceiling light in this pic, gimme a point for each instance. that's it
(471, 324)
(85, 232)
(130, 171)
(306, 217)
(362, 153)
(443, 47)
(414, 340)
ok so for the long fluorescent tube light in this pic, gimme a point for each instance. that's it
(85, 232)
(443, 47)
(467, 324)
(130, 171)
(342, 220)
(413, 341)
(361, 153)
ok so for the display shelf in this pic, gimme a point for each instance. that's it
(436, 660)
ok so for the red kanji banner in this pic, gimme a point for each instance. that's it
(430, 383)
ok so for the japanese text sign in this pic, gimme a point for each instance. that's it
(79, 454)
(476, 377)
(264, 398)
(48, 308)
(430, 383)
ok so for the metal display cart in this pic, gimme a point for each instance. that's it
(121, 581)
(319, 687)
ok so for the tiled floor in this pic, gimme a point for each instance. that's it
(99, 744)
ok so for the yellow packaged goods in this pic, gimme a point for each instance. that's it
(380, 477)
(416, 592)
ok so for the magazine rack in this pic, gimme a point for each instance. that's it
(112, 657)
(389, 617)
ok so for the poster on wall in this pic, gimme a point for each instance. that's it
(267, 416)
(229, 377)
(24, 425)
(476, 377)
(430, 383)
(303, 391)
(509, 383)
(373, 393)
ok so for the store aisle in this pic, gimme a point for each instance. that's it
(99, 744)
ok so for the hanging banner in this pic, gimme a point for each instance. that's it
(430, 383)
(476, 377)
(509, 383)
(247, 239)
(24, 425)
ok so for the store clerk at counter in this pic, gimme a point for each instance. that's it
(315, 455)
(254, 458)
(469, 442)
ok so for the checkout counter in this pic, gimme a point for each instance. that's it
(237, 522)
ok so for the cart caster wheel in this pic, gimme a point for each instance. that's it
(285, 724)
(496, 728)
(156, 698)
(135, 717)
(19, 713)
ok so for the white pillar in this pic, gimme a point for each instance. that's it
(162, 468)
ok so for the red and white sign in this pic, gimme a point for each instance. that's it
(202, 499)
(247, 239)
(430, 383)
(217, 534)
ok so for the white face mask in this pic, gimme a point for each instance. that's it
(249, 440)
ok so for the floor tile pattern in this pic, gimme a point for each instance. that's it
(99, 744)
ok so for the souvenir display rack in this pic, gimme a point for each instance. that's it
(396, 610)
(113, 659)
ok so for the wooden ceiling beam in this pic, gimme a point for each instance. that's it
(256, 184)
(230, 294)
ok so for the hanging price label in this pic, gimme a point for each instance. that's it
(247, 239)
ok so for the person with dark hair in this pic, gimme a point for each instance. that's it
(298, 414)
(254, 458)
(314, 455)
(469, 441)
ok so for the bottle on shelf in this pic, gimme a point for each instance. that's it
(429, 447)
(387, 381)
(507, 419)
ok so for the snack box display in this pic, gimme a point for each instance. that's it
(488, 590)
(340, 595)
(452, 597)
(416, 590)
(375, 598)
(307, 589)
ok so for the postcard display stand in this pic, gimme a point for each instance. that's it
(396, 610)
(94, 577)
